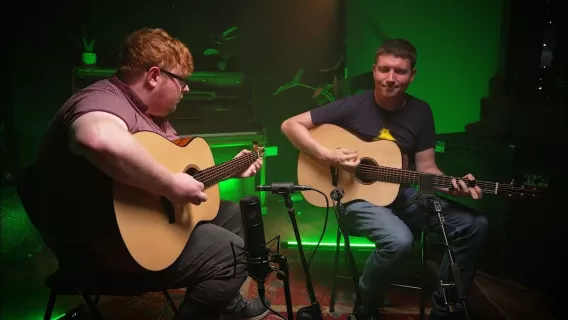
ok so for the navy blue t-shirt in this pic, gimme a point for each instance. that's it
(411, 127)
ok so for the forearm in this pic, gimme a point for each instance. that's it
(301, 138)
(130, 164)
(118, 154)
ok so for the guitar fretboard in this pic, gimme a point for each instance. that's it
(213, 175)
(395, 175)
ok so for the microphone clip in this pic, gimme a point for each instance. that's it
(283, 188)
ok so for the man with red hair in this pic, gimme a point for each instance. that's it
(89, 144)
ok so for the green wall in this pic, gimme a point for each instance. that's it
(458, 44)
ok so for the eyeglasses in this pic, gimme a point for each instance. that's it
(182, 81)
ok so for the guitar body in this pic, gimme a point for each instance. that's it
(152, 241)
(317, 175)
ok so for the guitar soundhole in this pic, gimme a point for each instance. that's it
(192, 171)
(365, 172)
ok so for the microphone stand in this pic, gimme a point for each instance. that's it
(428, 199)
(336, 195)
(283, 274)
(312, 312)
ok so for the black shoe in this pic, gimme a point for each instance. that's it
(241, 309)
(367, 314)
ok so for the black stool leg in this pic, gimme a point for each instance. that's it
(50, 305)
(170, 301)
(423, 241)
(90, 304)
(335, 270)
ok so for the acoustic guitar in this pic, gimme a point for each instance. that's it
(378, 177)
(155, 232)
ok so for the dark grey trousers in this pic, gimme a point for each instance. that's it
(206, 265)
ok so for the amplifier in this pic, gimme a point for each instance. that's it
(216, 102)
(487, 159)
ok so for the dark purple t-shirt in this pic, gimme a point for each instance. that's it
(76, 205)
(411, 127)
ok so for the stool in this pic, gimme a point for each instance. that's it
(60, 283)
(355, 274)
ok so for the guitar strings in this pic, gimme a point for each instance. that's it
(212, 175)
(217, 172)
(392, 174)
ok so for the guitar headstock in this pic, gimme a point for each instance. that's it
(258, 149)
(516, 190)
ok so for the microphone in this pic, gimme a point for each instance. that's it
(283, 187)
(258, 262)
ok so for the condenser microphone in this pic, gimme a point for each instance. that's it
(258, 264)
(283, 187)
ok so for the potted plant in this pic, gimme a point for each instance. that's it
(224, 47)
(88, 56)
(338, 88)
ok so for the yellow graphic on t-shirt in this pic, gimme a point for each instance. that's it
(385, 134)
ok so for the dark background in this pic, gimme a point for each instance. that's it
(39, 56)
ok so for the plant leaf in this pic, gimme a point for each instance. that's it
(284, 87)
(335, 86)
(317, 92)
(334, 67)
(228, 31)
(222, 64)
(298, 76)
(321, 90)
(322, 99)
(211, 52)
(91, 46)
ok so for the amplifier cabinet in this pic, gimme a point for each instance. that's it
(487, 159)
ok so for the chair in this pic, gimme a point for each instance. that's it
(61, 283)
(67, 283)
(355, 274)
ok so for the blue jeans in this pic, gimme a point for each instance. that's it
(390, 229)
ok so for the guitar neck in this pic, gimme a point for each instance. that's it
(396, 175)
(213, 175)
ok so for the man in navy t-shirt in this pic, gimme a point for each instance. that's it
(388, 112)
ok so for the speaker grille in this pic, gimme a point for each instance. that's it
(18, 237)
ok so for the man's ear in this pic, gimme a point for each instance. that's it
(413, 73)
(152, 76)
